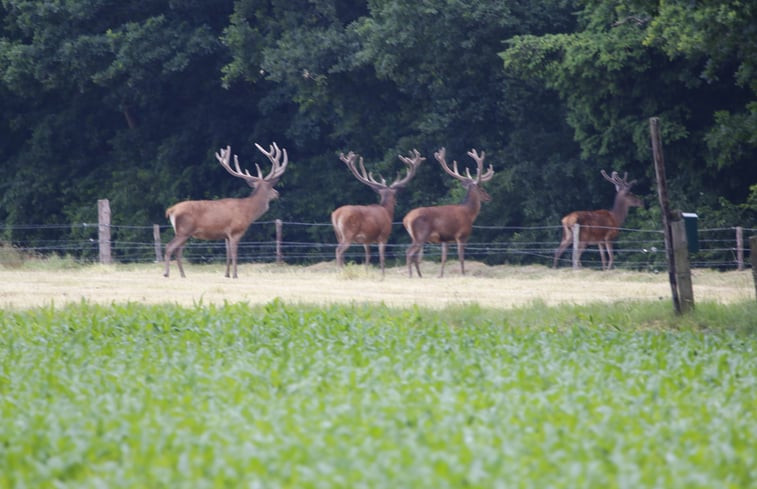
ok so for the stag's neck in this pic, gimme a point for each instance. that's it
(472, 202)
(256, 204)
(388, 201)
(620, 208)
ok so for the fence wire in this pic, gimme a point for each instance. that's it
(640, 249)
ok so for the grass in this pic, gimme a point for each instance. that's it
(281, 395)
(12, 258)
(499, 287)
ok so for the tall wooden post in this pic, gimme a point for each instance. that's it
(157, 243)
(279, 233)
(753, 261)
(576, 243)
(103, 231)
(662, 192)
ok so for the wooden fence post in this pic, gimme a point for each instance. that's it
(681, 256)
(662, 193)
(279, 232)
(739, 248)
(753, 260)
(576, 244)
(103, 231)
(156, 240)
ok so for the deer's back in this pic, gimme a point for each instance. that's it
(210, 219)
(362, 223)
(595, 226)
(438, 224)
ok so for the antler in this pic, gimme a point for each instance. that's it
(479, 158)
(224, 156)
(412, 163)
(274, 155)
(620, 183)
(367, 177)
(480, 166)
(362, 175)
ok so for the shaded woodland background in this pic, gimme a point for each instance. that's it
(129, 100)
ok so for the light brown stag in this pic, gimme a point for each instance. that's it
(599, 227)
(367, 224)
(226, 219)
(447, 223)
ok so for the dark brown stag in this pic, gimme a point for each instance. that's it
(367, 224)
(226, 219)
(599, 227)
(447, 223)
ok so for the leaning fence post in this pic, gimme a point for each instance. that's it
(156, 240)
(103, 231)
(740, 248)
(753, 260)
(662, 193)
(279, 257)
(576, 244)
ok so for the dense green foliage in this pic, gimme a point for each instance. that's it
(691, 64)
(358, 396)
(128, 100)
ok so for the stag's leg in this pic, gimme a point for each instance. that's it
(340, 249)
(418, 259)
(409, 260)
(601, 247)
(444, 259)
(339, 239)
(566, 241)
(608, 247)
(581, 248)
(412, 256)
(179, 256)
(367, 249)
(176, 243)
(166, 270)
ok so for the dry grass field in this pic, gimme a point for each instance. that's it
(497, 287)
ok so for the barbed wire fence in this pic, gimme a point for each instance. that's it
(266, 242)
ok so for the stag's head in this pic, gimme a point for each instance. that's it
(387, 192)
(470, 183)
(260, 183)
(624, 196)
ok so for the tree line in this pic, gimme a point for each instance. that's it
(130, 100)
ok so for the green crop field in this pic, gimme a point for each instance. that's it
(349, 396)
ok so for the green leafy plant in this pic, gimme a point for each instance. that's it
(128, 395)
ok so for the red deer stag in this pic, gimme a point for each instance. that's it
(368, 224)
(599, 227)
(226, 219)
(445, 223)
